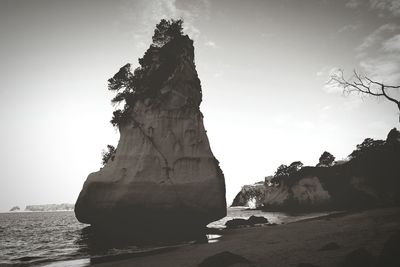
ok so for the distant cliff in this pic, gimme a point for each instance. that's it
(371, 178)
(251, 196)
(50, 207)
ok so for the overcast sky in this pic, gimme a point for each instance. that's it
(262, 65)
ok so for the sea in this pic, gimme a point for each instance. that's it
(57, 239)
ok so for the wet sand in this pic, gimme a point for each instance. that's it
(287, 245)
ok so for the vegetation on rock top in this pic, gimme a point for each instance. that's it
(156, 66)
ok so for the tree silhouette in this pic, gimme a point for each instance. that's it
(326, 160)
(146, 79)
(365, 86)
(284, 172)
(167, 30)
(108, 154)
(366, 146)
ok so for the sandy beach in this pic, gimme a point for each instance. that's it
(290, 244)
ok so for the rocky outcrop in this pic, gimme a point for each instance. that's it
(252, 221)
(307, 192)
(50, 207)
(371, 179)
(163, 173)
(251, 196)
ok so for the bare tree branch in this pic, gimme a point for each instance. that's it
(364, 85)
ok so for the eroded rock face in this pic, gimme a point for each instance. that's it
(306, 192)
(251, 196)
(164, 173)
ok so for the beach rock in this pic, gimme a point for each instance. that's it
(235, 223)
(225, 259)
(330, 246)
(359, 258)
(163, 173)
(390, 255)
(253, 220)
(257, 220)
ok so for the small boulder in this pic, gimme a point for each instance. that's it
(224, 259)
(253, 220)
(329, 246)
(390, 255)
(359, 258)
(257, 220)
(234, 223)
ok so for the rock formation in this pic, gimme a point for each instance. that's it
(163, 173)
(251, 196)
(370, 179)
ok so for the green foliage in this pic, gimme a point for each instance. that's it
(326, 160)
(108, 154)
(368, 145)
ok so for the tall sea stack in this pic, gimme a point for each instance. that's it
(163, 173)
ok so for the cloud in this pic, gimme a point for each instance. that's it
(210, 44)
(393, 44)
(390, 6)
(348, 28)
(393, 6)
(143, 15)
(353, 4)
(376, 37)
(385, 68)
(379, 54)
(330, 86)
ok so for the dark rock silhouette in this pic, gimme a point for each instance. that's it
(225, 259)
(370, 179)
(163, 175)
(253, 220)
(257, 220)
(390, 255)
(359, 258)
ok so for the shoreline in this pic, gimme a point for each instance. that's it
(286, 244)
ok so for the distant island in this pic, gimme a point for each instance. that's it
(15, 208)
(50, 207)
